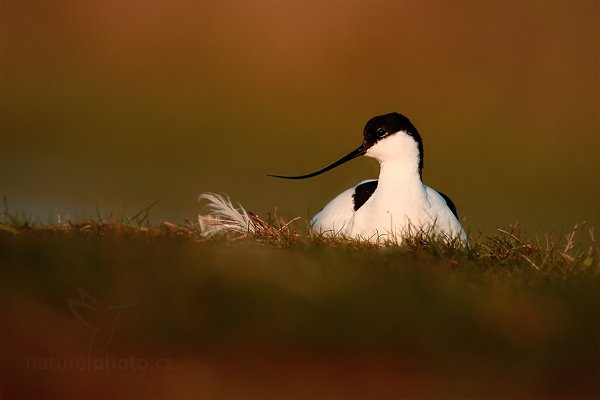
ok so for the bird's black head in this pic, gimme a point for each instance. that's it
(382, 126)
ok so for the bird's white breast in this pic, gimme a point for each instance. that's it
(385, 217)
(389, 217)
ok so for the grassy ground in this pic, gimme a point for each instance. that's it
(107, 308)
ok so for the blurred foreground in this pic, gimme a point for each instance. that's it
(106, 311)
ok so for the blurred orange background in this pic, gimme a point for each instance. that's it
(115, 104)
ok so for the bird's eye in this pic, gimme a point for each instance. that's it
(381, 132)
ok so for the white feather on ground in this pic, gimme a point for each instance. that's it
(222, 217)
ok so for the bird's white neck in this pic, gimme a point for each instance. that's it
(400, 177)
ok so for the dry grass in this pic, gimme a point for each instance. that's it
(560, 252)
(252, 310)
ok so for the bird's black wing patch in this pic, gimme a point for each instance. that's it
(450, 204)
(362, 193)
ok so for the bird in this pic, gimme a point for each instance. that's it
(397, 204)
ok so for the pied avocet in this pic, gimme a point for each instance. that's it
(398, 203)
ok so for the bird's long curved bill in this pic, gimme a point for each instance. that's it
(353, 154)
